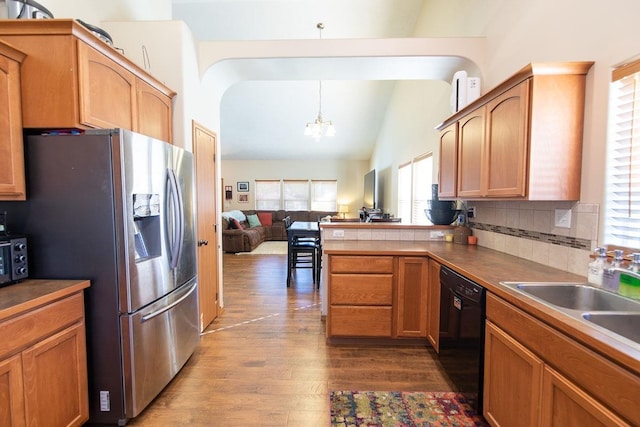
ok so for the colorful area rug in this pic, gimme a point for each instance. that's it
(403, 409)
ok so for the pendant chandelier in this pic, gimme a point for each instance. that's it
(319, 127)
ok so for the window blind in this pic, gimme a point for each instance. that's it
(404, 193)
(296, 195)
(268, 195)
(324, 195)
(622, 200)
(422, 177)
(414, 189)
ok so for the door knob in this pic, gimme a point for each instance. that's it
(203, 242)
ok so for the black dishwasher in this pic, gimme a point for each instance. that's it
(462, 318)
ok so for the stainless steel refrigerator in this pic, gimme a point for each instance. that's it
(117, 208)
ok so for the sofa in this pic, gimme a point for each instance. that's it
(269, 226)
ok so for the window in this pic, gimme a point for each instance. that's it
(404, 193)
(324, 195)
(622, 197)
(297, 195)
(414, 189)
(268, 195)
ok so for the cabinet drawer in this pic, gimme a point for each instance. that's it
(357, 321)
(23, 330)
(361, 289)
(361, 264)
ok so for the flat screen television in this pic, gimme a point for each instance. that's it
(369, 199)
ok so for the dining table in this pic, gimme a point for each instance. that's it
(299, 229)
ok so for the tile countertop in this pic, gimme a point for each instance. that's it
(30, 294)
(488, 268)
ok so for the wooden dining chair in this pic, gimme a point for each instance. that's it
(303, 253)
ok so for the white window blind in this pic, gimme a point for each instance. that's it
(622, 200)
(414, 189)
(422, 177)
(267, 195)
(324, 195)
(296, 195)
(404, 193)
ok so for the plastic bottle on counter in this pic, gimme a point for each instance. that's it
(630, 280)
(461, 232)
(611, 275)
(597, 266)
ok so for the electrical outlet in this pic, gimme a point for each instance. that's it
(471, 212)
(563, 218)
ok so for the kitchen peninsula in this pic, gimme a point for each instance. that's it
(557, 365)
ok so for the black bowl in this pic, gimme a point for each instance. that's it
(442, 216)
(446, 205)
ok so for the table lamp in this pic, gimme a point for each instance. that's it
(343, 209)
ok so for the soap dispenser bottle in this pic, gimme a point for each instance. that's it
(597, 266)
(611, 275)
(630, 279)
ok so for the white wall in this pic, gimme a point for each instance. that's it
(95, 11)
(408, 131)
(349, 174)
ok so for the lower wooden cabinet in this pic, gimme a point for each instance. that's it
(360, 296)
(512, 380)
(433, 305)
(413, 278)
(43, 367)
(377, 296)
(536, 376)
(566, 405)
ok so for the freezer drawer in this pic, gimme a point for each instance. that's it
(157, 341)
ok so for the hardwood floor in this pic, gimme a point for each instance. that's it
(264, 360)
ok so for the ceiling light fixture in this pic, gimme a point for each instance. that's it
(319, 128)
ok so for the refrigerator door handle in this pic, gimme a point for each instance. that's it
(177, 232)
(157, 313)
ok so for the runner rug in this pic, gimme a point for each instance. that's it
(403, 409)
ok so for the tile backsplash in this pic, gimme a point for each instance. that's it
(523, 229)
(527, 230)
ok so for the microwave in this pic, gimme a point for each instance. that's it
(13, 259)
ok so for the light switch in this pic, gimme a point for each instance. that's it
(563, 218)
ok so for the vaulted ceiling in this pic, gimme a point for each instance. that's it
(257, 116)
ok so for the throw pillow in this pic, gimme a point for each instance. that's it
(236, 224)
(266, 218)
(253, 220)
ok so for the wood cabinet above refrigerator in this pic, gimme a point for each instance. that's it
(522, 140)
(72, 79)
(12, 182)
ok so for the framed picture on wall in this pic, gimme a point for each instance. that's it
(243, 198)
(243, 186)
(228, 193)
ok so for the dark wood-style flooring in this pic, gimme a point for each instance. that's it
(264, 360)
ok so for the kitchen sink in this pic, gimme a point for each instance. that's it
(579, 297)
(618, 315)
(625, 324)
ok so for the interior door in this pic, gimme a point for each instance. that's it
(205, 147)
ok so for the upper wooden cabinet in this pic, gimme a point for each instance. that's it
(72, 79)
(12, 181)
(447, 174)
(522, 140)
